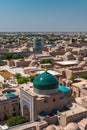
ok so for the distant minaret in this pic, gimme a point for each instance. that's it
(70, 42)
(37, 45)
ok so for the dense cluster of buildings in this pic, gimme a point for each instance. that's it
(57, 97)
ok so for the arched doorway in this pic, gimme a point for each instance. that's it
(26, 113)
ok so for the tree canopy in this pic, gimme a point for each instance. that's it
(21, 79)
(9, 56)
(16, 120)
(46, 61)
(84, 76)
(72, 78)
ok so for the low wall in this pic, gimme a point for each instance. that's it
(51, 120)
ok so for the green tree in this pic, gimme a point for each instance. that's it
(8, 56)
(72, 79)
(84, 76)
(23, 80)
(16, 120)
(31, 78)
(18, 75)
(46, 61)
(17, 56)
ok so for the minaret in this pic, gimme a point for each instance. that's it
(37, 45)
(70, 42)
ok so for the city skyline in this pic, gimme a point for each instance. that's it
(43, 16)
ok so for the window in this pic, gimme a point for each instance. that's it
(5, 117)
(4, 107)
(13, 108)
(19, 106)
(45, 101)
(53, 99)
(14, 114)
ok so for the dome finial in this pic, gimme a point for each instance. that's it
(45, 70)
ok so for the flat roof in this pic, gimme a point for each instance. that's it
(14, 70)
(1, 78)
(17, 70)
(3, 95)
(28, 88)
(85, 58)
(76, 110)
(32, 68)
(42, 55)
(81, 99)
(71, 62)
(81, 84)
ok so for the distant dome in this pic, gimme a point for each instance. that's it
(51, 127)
(64, 89)
(69, 56)
(45, 83)
(72, 126)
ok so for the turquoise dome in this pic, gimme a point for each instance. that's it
(10, 95)
(64, 89)
(45, 81)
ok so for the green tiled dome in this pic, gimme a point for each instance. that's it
(45, 81)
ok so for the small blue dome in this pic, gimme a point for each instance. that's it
(64, 89)
(10, 95)
(42, 113)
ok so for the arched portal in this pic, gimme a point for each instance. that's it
(26, 113)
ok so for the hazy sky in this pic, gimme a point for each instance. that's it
(43, 15)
